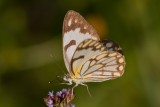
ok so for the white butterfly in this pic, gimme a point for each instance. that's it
(86, 57)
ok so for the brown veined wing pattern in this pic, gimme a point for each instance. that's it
(88, 59)
(97, 61)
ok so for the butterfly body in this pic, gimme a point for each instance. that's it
(86, 57)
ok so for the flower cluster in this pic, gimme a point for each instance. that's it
(60, 99)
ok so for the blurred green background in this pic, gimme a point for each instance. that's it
(31, 51)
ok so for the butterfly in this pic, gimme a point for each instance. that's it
(87, 58)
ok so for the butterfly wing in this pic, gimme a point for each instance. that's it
(75, 30)
(95, 61)
(111, 46)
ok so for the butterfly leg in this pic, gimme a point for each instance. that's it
(67, 83)
(87, 89)
(85, 86)
(75, 86)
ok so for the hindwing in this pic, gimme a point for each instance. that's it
(93, 61)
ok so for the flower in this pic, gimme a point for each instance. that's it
(50, 93)
(60, 99)
(72, 105)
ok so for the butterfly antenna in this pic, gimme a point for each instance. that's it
(60, 78)
(52, 82)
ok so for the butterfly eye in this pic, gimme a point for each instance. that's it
(66, 77)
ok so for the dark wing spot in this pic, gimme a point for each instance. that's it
(72, 42)
(111, 46)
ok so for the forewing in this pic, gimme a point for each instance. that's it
(75, 30)
(94, 62)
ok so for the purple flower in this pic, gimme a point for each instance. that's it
(60, 99)
(64, 90)
(50, 93)
(72, 105)
(48, 101)
(59, 93)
